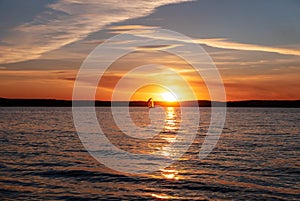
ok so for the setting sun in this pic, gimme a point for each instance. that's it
(169, 97)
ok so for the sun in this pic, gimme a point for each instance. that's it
(169, 97)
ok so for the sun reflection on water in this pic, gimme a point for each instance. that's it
(169, 132)
(171, 125)
(162, 196)
(171, 119)
(170, 173)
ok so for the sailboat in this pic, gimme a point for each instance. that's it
(150, 103)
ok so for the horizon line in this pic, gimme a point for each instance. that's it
(55, 99)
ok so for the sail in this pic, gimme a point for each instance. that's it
(150, 103)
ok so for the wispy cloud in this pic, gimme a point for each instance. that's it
(226, 44)
(68, 21)
(130, 27)
(221, 43)
(155, 47)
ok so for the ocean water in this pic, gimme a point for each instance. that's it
(256, 158)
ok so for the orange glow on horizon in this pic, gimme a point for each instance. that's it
(58, 84)
(169, 97)
(156, 92)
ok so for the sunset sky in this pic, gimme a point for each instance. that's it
(254, 44)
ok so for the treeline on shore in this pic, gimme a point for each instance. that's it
(5, 102)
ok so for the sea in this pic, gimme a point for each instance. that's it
(257, 157)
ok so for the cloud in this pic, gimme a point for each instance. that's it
(131, 27)
(68, 21)
(155, 47)
(221, 43)
(225, 44)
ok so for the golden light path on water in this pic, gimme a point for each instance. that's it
(169, 131)
(162, 196)
(172, 121)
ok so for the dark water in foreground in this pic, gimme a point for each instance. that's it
(256, 158)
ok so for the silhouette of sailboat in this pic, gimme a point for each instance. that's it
(150, 103)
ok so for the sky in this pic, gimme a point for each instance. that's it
(255, 45)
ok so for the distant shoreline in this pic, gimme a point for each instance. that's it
(6, 102)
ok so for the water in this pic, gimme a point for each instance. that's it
(257, 157)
